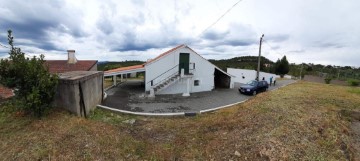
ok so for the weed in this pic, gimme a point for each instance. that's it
(354, 90)
(297, 122)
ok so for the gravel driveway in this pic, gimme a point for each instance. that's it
(130, 96)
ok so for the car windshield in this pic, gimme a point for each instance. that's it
(252, 83)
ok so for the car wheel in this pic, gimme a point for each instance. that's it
(254, 93)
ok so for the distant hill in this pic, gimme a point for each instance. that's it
(107, 65)
(250, 62)
(244, 62)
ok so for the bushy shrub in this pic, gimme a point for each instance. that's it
(353, 82)
(34, 86)
(327, 80)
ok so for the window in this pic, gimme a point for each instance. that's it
(196, 82)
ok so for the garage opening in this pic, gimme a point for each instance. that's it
(221, 80)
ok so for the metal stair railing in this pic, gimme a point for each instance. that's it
(166, 82)
(171, 75)
(191, 68)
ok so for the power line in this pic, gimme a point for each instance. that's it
(4, 46)
(21, 52)
(273, 49)
(220, 17)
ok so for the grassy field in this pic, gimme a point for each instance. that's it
(299, 122)
(107, 83)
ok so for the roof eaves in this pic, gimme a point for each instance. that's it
(165, 54)
(96, 61)
(211, 63)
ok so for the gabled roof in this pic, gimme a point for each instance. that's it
(184, 46)
(164, 54)
(211, 63)
(125, 70)
(137, 68)
(141, 67)
(61, 66)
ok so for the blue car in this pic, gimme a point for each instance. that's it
(253, 87)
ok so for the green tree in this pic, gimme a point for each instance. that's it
(34, 86)
(282, 67)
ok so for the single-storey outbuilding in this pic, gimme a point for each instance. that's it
(179, 70)
(242, 76)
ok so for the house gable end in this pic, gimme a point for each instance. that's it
(165, 54)
(210, 62)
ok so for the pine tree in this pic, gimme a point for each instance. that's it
(282, 67)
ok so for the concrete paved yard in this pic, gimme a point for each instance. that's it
(130, 96)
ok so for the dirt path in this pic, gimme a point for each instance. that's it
(355, 128)
(311, 78)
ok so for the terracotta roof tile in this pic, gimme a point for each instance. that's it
(6, 92)
(141, 66)
(125, 68)
(61, 66)
(163, 54)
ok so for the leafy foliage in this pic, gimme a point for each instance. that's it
(353, 82)
(245, 62)
(34, 86)
(327, 80)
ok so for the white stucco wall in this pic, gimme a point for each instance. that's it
(246, 75)
(204, 72)
(287, 76)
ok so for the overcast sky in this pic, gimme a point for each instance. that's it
(310, 31)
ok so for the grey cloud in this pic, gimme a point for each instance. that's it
(3, 54)
(132, 40)
(211, 53)
(104, 22)
(328, 44)
(243, 42)
(297, 51)
(31, 31)
(133, 44)
(138, 2)
(277, 38)
(236, 35)
(214, 35)
(105, 26)
(32, 21)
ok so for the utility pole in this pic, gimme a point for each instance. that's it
(301, 70)
(258, 67)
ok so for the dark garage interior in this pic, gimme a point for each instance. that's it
(221, 80)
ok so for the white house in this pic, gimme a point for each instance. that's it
(245, 75)
(179, 70)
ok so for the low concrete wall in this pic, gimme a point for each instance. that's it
(80, 91)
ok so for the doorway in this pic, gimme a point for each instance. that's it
(221, 80)
(184, 61)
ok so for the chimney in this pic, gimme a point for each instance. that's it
(71, 57)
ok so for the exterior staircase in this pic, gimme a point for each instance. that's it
(166, 83)
(171, 79)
